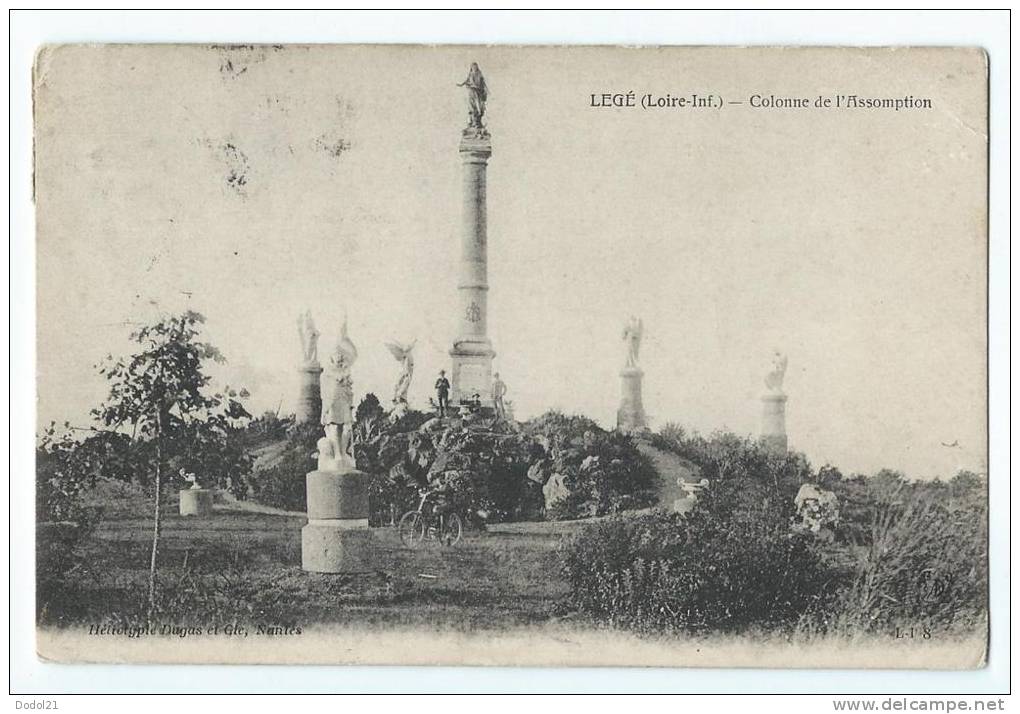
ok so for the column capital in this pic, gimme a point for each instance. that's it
(475, 144)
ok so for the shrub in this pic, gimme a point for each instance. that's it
(282, 484)
(482, 467)
(481, 472)
(905, 553)
(603, 471)
(729, 564)
(369, 409)
(557, 426)
(724, 455)
(605, 474)
(66, 468)
(268, 427)
(926, 559)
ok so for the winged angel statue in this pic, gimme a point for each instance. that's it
(403, 354)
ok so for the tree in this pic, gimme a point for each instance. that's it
(160, 393)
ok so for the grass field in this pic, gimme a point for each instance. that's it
(238, 565)
(495, 598)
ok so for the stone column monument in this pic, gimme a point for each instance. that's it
(337, 538)
(309, 401)
(630, 418)
(773, 415)
(472, 351)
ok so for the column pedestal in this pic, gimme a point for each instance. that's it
(471, 372)
(196, 501)
(309, 401)
(773, 423)
(337, 538)
(630, 418)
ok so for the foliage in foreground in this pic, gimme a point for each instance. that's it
(905, 553)
(158, 424)
(701, 572)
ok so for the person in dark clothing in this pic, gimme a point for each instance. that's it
(443, 392)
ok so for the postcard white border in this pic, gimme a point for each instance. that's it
(29, 29)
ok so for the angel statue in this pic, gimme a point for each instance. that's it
(774, 379)
(309, 337)
(632, 331)
(337, 406)
(403, 354)
(478, 93)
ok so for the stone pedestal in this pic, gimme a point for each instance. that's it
(471, 373)
(337, 538)
(309, 401)
(630, 418)
(472, 352)
(773, 422)
(196, 501)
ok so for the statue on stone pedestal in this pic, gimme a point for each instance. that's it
(498, 392)
(337, 406)
(309, 338)
(403, 354)
(632, 331)
(774, 379)
(478, 93)
(190, 478)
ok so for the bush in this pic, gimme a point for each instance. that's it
(605, 474)
(603, 471)
(926, 559)
(480, 468)
(724, 455)
(270, 426)
(729, 564)
(282, 485)
(904, 553)
(65, 469)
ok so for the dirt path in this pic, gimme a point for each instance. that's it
(670, 468)
(232, 504)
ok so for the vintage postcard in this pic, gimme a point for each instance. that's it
(553, 356)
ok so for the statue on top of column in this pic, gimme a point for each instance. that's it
(309, 338)
(478, 93)
(774, 379)
(632, 332)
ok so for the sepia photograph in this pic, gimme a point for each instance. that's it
(503, 355)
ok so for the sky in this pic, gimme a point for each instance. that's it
(250, 184)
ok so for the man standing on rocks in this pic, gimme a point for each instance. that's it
(443, 392)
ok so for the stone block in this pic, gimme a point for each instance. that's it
(337, 495)
(337, 538)
(196, 501)
(328, 547)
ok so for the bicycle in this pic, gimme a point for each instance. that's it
(420, 525)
